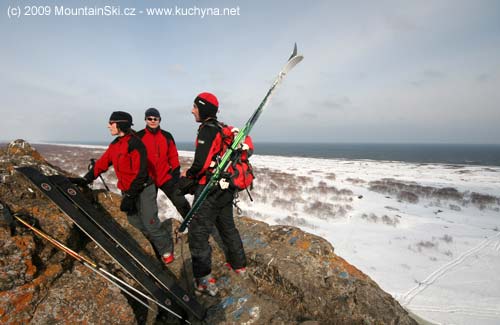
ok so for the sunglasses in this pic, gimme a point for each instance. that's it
(153, 119)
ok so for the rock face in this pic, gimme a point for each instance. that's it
(293, 277)
(38, 283)
(63, 303)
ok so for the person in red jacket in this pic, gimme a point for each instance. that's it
(128, 156)
(163, 161)
(217, 209)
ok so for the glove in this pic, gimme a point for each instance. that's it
(224, 184)
(243, 146)
(80, 181)
(186, 185)
(83, 181)
(176, 174)
(128, 204)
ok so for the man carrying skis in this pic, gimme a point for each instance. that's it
(128, 156)
(217, 209)
(163, 163)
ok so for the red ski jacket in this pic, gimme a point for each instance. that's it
(212, 142)
(127, 154)
(163, 158)
(208, 145)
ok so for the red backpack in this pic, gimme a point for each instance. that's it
(239, 173)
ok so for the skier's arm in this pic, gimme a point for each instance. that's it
(100, 166)
(204, 152)
(139, 161)
(172, 155)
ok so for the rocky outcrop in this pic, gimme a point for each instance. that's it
(40, 284)
(103, 303)
(293, 277)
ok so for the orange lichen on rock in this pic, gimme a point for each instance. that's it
(349, 268)
(303, 244)
(25, 243)
(18, 303)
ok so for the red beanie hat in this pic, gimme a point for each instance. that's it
(207, 104)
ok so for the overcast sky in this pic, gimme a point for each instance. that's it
(374, 71)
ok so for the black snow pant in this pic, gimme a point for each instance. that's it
(217, 210)
(178, 200)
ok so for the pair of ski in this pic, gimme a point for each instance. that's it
(118, 244)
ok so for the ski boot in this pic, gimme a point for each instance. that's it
(207, 285)
(242, 271)
(167, 258)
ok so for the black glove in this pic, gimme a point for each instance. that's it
(186, 185)
(83, 181)
(176, 174)
(80, 181)
(128, 204)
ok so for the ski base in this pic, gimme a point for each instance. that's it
(173, 299)
(122, 238)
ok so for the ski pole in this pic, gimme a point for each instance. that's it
(92, 163)
(122, 285)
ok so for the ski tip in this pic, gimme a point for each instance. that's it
(295, 57)
(293, 60)
(294, 52)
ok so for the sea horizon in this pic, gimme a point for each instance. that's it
(425, 153)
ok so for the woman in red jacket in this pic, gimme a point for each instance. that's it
(128, 156)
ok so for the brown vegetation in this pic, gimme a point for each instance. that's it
(412, 192)
(372, 217)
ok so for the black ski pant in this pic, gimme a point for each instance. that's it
(217, 210)
(146, 220)
(178, 200)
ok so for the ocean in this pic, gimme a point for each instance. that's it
(461, 154)
(486, 155)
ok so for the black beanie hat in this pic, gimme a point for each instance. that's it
(122, 119)
(207, 104)
(152, 112)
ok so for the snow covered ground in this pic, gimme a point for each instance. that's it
(438, 256)
(426, 233)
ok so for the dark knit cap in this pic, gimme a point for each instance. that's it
(152, 112)
(207, 104)
(122, 119)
